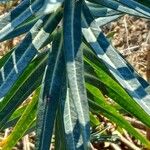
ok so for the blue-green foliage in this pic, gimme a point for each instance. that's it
(63, 50)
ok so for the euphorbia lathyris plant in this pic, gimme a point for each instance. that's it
(68, 64)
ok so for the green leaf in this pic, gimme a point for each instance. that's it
(144, 2)
(23, 87)
(114, 62)
(94, 121)
(5, 58)
(72, 125)
(100, 105)
(15, 117)
(23, 28)
(70, 122)
(136, 6)
(23, 124)
(50, 93)
(101, 21)
(100, 76)
(7, 18)
(104, 15)
(115, 5)
(74, 64)
(16, 62)
(59, 124)
(20, 18)
(25, 52)
(101, 11)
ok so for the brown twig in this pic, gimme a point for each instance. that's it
(136, 123)
(115, 146)
(126, 142)
(127, 135)
(26, 143)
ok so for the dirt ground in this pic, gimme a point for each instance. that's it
(132, 39)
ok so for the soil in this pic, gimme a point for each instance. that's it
(131, 38)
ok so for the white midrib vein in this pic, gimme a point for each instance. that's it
(77, 100)
(69, 113)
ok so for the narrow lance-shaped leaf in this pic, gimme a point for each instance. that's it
(50, 93)
(60, 130)
(97, 74)
(144, 2)
(114, 61)
(88, 53)
(67, 122)
(25, 10)
(99, 104)
(142, 81)
(8, 17)
(10, 70)
(62, 125)
(24, 86)
(15, 117)
(23, 28)
(94, 121)
(136, 6)
(74, 64)
(104, 15)
(13, 68)
(101, 21)
(49, 6)
(72, 124)
(119, 7)
(5, 58)
(30, 11)
(101, 11)
(31, 76)
(22, 125)
(25, 52)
